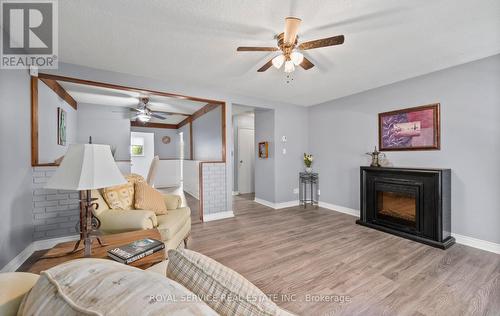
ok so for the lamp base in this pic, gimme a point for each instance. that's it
(88, 225)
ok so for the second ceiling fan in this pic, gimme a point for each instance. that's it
(287, 43)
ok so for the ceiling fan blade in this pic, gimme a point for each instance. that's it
(329, 41)
(256, 49)
(266, 66)
(158, 116)
(160, 112)
(306, 64)
(135, 117)
(135, 110)
(291, 29)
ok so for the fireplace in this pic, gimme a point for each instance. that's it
(411, 203)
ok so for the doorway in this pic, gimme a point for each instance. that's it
(246, 160)
(142, 151)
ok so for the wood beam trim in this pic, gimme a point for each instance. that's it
(34, 121)
(191, 147)
(153, 125)
(204, 110)
(126, 88)
(60, 91)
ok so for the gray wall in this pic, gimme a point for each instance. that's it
(16, 224)
(107, 125)
(264, 168)
(207, 136)
(342, 130)
(164, 151)
(292, 122)
(48, 102)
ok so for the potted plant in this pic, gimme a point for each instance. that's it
(308, 160)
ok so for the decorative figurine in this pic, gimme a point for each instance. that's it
(376, 155)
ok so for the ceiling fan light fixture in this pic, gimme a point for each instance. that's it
(143, 117)
(297, 57)
(289, 66)
(278, 61)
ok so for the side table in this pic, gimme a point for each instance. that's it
(308, 188)
(112, 241)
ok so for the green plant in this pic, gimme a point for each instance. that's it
(308, 160)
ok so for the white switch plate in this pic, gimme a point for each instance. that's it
(284, 151)
(319, 192)
(296, 191)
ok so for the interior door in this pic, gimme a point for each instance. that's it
(141, 158)
(246, 162)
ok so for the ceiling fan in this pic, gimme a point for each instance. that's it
(144, 114)
(287, 43)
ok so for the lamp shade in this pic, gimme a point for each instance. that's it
(86, 167)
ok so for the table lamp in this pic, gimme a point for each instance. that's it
(86, 167)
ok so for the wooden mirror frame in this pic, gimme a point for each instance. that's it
(48, 79)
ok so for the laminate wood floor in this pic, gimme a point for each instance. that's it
(296, 252)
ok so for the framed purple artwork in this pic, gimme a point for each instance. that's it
(415, 128)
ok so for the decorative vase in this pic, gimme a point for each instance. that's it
(309, 169)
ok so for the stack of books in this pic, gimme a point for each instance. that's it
(136, 250)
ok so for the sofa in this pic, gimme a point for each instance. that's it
(191, 284)
(174, 226)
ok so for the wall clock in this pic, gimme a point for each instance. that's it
(165, 139)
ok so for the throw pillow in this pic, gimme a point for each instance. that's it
(147, 198)
(224, 290)
(134, 178)
(120, 197)
(101, 287)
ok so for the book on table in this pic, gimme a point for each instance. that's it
(136, 250)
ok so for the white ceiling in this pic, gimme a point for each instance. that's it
(194, 41)
(87, 94)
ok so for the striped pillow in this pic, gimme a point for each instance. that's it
(147, 198)
(224, 290)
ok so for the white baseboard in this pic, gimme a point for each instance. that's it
(276, 206)
(216, 216)
(477, 243)
(460, 239)
(340, 209)
(18, 260)
(236, 193)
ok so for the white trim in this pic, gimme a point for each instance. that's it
(340, 209)
(264, 202)
(460, 239)
(18, 260)
(277, 206)
(477, 243)
(217, 216)
(286, 204)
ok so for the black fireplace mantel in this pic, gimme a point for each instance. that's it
(413, 203)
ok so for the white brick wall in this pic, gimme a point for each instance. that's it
(55, 212)
(214, 188)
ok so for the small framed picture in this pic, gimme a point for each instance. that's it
(415, 128)
(263, 150)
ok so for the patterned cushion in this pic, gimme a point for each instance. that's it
(147, 198)
(134, 178)
(120, 197)
(224, 290)
(104, 287)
